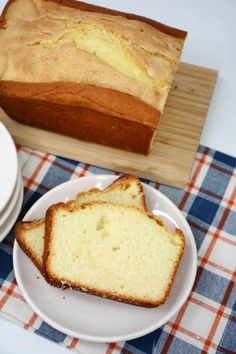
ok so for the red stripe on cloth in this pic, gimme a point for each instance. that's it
(36, 184)
(216, 167)
(212, 309)
(8, 294)
(216, 266)
(115, 346)
(192, 335)
(203, 229)
(201, 339)
(218, 316)
(174, 328)
(52, 161)
(73, 343)
(231, 283)
(36, 171)
(56, 163)
(231, 242)
(194, 178)
(181, 205)
(176, 325)
(31, 321)
(41, 186)
(219, 228)
(34, 153)
(85, 169)
(14, 294)
(110, 348)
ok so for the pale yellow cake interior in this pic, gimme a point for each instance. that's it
(120, 192)
(33, 239)
(114, 249)
(44, 42)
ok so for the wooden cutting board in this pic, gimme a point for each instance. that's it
(175, 144)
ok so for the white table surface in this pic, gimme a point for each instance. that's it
(211, 27)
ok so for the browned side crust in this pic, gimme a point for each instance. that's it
(100, 115)
(21, 226)
(84, 112)
(93, 291)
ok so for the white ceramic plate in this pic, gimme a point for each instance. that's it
(12, 202)
(9, 166)
(11, 219)
(89, 317)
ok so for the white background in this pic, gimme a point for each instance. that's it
(211, 27)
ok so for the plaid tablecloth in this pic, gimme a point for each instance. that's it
(207, 321)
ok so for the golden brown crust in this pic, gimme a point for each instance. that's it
(94, 8)
(122, 180)
(99, 9)
(104, 294)
(19, 235)
(101, 115)
(48, 232)
(80, 287)
(176, 266)
(130, 178)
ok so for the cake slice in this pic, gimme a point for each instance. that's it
(126, 190)
(114, 251)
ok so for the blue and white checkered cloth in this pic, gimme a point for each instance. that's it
(207, 321)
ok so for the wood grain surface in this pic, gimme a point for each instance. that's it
(175, 144)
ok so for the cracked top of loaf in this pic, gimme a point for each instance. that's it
(46, 41)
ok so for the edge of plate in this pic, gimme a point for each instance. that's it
(18, 206)
(13, 200)
(13, 147)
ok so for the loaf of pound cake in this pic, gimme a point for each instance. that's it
(85, 71)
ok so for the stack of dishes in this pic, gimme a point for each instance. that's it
(11, 186)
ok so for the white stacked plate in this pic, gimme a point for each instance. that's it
(11, 186)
